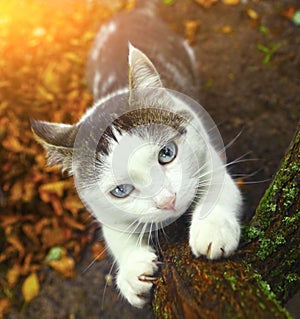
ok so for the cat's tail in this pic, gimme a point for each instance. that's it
(149, 6)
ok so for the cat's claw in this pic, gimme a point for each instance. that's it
(147, 278)
(136, 276)
(214, 238)
(208, 249)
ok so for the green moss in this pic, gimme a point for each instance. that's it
(231, 279)
(289, 194)
(251, 232)
(291, 219)
(292, 277)
(269, 245)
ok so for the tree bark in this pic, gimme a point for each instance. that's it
(257, 279)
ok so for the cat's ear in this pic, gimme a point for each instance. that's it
(58, 140)
(142, 72)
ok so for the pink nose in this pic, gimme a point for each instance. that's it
(168, 203)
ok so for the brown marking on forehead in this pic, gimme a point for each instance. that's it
(149, 116)
(144, 118)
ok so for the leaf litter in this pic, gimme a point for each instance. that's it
(42, 71)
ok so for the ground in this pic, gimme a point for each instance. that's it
(255, 103)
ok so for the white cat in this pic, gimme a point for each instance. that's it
(141, 156)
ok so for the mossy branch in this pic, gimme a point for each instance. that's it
(274, 233)
(257, 279)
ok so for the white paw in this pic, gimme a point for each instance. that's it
(134, 276)
(214, 236)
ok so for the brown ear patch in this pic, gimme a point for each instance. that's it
(58, 140)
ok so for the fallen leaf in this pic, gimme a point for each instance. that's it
(13, 275)
(64, 266)
(296, 18)
(17, 244)
(231, 2)
(4, 307)
(31, 287)
(16, 191)
(191, 27)
(52, 237)
(252, 14)
(12, 144)
(227, 29)
(98, 250)
(55, 253)
(44, 93)
(206, 3)
(168, 2)
(56, 188)
(29, 231)
(72, 223)
(57, 205)
(288, 12)
(29, 192)
(73, 204)
(240, 182)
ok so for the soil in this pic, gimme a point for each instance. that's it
(256, 105)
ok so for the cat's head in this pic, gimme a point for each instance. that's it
(136, 156)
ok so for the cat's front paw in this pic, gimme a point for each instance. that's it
(135, 276)
(214, 236)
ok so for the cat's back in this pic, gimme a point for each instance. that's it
(107, 69)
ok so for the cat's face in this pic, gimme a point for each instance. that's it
(145, 178)
(137, 169)
(147, 174)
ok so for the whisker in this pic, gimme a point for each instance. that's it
(94, 260)
(258, 182)
(106, 283)
(228, 145)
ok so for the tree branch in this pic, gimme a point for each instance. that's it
(238, 287)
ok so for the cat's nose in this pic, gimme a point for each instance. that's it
(167, 202)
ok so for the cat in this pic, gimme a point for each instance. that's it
(142, 155)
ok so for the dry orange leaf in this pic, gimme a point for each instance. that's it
(45, 94)
(57, 205)
(53, 237)
(227, 29)
(12, 144)
(240, 182)
(72, 223)
(56, 188)
(29, 231)
(31, 287)
(16, 191)
(252, 14)
(4, 307)
(231, 2)
(64, 266)
(206, 3)
(98, 250)
(13, 275)
(73, 204)
(191, 28)
(16, 243)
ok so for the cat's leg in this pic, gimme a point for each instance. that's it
(137, 264)
(215, 228)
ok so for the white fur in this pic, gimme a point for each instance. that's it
(103, 35)
(97, 80)
(133, 159)
(214, 223)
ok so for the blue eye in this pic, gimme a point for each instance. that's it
(122, 191)
(167, 153)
